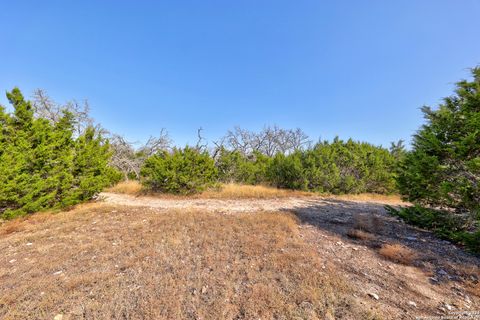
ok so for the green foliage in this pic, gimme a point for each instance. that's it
(337, 167)
(41, 163)
(443, 169)
(234, 167)
(183, 171)
(457, 228)
(287, 171)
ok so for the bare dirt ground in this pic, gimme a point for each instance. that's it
(129, 257)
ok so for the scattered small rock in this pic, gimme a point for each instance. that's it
(57, 273)
(12, 261)
(29, 244)
(449, 307)
(411, 238)
(374, 295)
(58, 317)
(204, 289)
(442, 272)
(413, 304)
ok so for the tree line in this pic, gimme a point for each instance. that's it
(54, 155)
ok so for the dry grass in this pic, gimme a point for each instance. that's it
(224, 191)
(473, 288)
(370, 197)
(398, 253)
(105, 262)
(12, 226)
(368, 222)
(360, 235)
(130, 187)
(237, 191)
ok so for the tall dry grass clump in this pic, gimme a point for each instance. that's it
(398, 253)
(131, 187)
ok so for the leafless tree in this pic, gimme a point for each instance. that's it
(124, 156)
(45, 107)
(128, 159)
(201, 141)
(269, 141)
(156, 144)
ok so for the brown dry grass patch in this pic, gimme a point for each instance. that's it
(107, 262)
(15, 225)
(360, 235)
(398, 253)
(130, 187)
(368, 222)
(223, 191)
(370, 197)
(473, 288)
(238, 191)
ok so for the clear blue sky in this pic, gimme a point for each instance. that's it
(358, 69)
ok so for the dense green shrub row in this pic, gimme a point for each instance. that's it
(337, 167)
(43, 165)
(233, 166)
(182, 171)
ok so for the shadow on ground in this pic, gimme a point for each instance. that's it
(444, 260)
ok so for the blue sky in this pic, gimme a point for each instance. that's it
(358, 69)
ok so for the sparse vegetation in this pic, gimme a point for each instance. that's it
(360, 234)
(398, 253)
(168, 266)
(368, 222)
